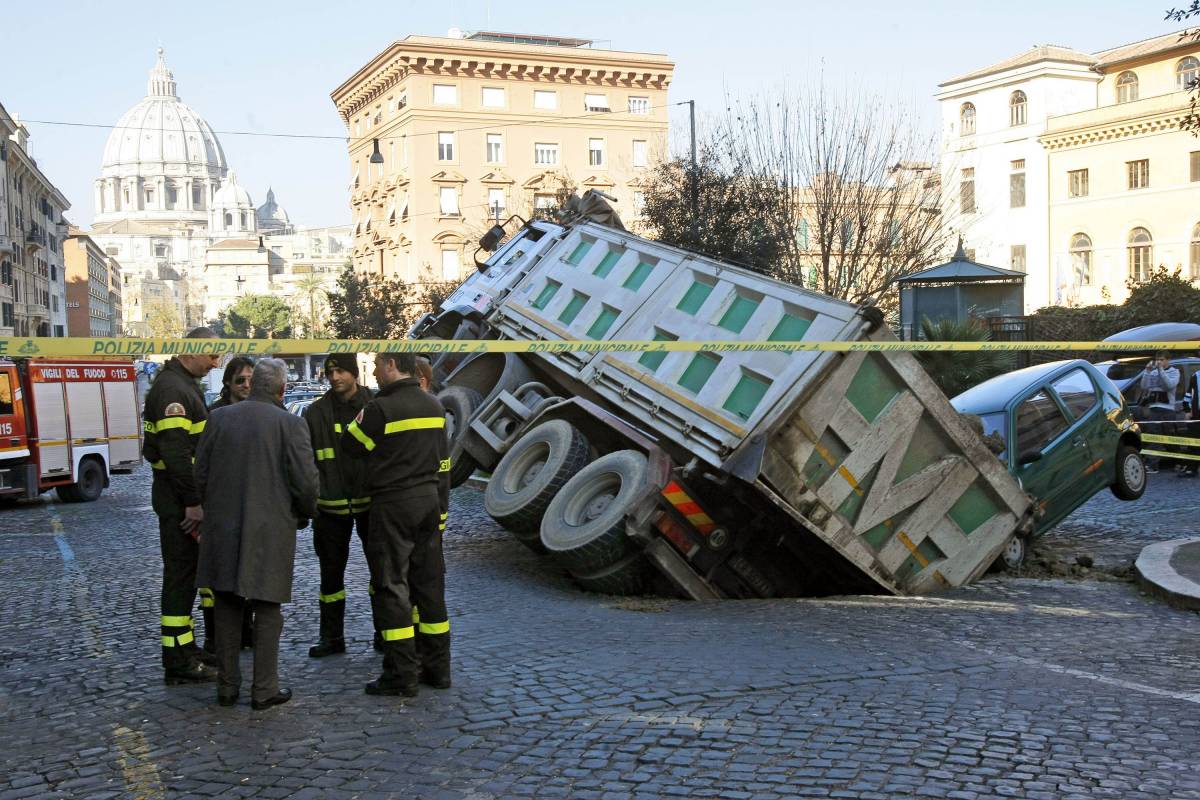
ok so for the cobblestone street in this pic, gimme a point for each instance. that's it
(1033, 687)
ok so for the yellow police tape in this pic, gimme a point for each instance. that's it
(140, 348)
(1184, 441)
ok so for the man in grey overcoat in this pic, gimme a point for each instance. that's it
(257, 482)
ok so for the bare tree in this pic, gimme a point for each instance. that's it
(848, 186)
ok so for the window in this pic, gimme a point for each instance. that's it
(1141, 252)
(596, 102)
(1187, 72)
(495, 149)
(1077, 392)
(450, 265)
(445, 146)
(639, 105)
(149, 196)
(545, 100)
(966, 191)
(966, 119)
(1081, 259)
(172, 196)
(1194, 253)
(639, 153)
(448, 197)
(445, 94)
(545, 155)
(197, 198)
(1016, 258)
(1077, 183)
(1194, 158)
(544, 206)
(496, 202)
(1139, 173)
(1016, 184)
(160, 250)
(1127, 87)
(493, 97)
(1039, 422)
(6, 316)
(595, 152)
(1017, 109)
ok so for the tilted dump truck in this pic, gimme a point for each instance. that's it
(736, 474)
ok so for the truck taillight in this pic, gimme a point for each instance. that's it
(677, 534)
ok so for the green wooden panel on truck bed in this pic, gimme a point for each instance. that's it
(576, 304)
(638, 276)
(546, 295)
(975, 507)
(608, 262)
(604, 320)
(747, 394)
(579, 252)
(873, 388)
(699, 371)
(738, 314)
(652, 361)
(694, 297)
(790, 329)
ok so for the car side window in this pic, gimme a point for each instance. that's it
(1077, 392)
(1039, 421)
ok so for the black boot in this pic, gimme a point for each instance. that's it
(433, 651)
(333, 638)
(190, 672)
(400, 670)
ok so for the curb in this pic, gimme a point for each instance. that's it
(1159, 577)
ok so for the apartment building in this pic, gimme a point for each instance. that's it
(89, 298)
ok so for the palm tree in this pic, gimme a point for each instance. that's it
(310, 287)
(956, 371)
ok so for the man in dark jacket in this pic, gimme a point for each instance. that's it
(344, 502)
(174, 417)
(264, 488)
(402, 436)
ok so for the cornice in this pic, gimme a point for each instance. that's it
(1122, 129)
(572, 67)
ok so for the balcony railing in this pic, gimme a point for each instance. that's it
(1119, 112)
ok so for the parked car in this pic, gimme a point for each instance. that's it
(298, 407)
(1067, 433)
(1126, 371)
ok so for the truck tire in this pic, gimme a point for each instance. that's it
(460, 403)
(629, 576)
(530, 474)
(584, 525)
(1131, 474)
(88, 487)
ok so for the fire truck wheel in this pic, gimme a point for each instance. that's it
(87, 488)
(530, 474)
(629, 576)
(460, 402)
(584, 525)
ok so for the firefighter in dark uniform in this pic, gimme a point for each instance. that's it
(344, 502)
(402, 436)
(173, 418)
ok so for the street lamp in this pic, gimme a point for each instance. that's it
(376, 156)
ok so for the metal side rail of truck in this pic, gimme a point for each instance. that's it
(66, 424)
(710, 475)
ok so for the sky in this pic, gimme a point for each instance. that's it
(269, 66)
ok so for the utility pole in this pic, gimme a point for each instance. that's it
(695, 176)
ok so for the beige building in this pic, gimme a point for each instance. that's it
(89, 299)
(1124, 179)
(32, 287)
(1072, 167)
(474, 126)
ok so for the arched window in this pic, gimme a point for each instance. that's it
(1141, 253)
(228, 220)
(966, 119)
(1194, 252)
(1187, 72)
(1081, 259)
(1017, 104)
(1127, 87)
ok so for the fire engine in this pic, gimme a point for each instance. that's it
(66, 424)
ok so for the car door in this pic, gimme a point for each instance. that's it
(1054, 453)
(1080, 398)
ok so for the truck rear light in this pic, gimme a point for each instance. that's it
(677, 534)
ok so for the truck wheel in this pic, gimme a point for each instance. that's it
(584, 525)
(87, 488)
(530, 474)
(460, 402)
(1131, 474)
(630, 575)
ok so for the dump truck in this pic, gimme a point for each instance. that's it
(758, 473)
(66, 424)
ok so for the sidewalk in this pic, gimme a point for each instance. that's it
(1171, 570)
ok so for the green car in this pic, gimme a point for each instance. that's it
(1066, 434)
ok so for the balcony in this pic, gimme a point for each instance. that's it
(35, 237)
(6, 245)
(1118, 113)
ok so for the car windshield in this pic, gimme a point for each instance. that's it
(996, 424)
(1126, 369)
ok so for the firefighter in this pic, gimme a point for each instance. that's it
(173, 418)
(343, 504)
(402, 436)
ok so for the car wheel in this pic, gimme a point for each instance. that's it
(1131, 474)
(1013, 554)
(460, 403)
(584, 525)
(530, 474)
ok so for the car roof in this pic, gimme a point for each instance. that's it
(994, 394)
(1159, 332)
